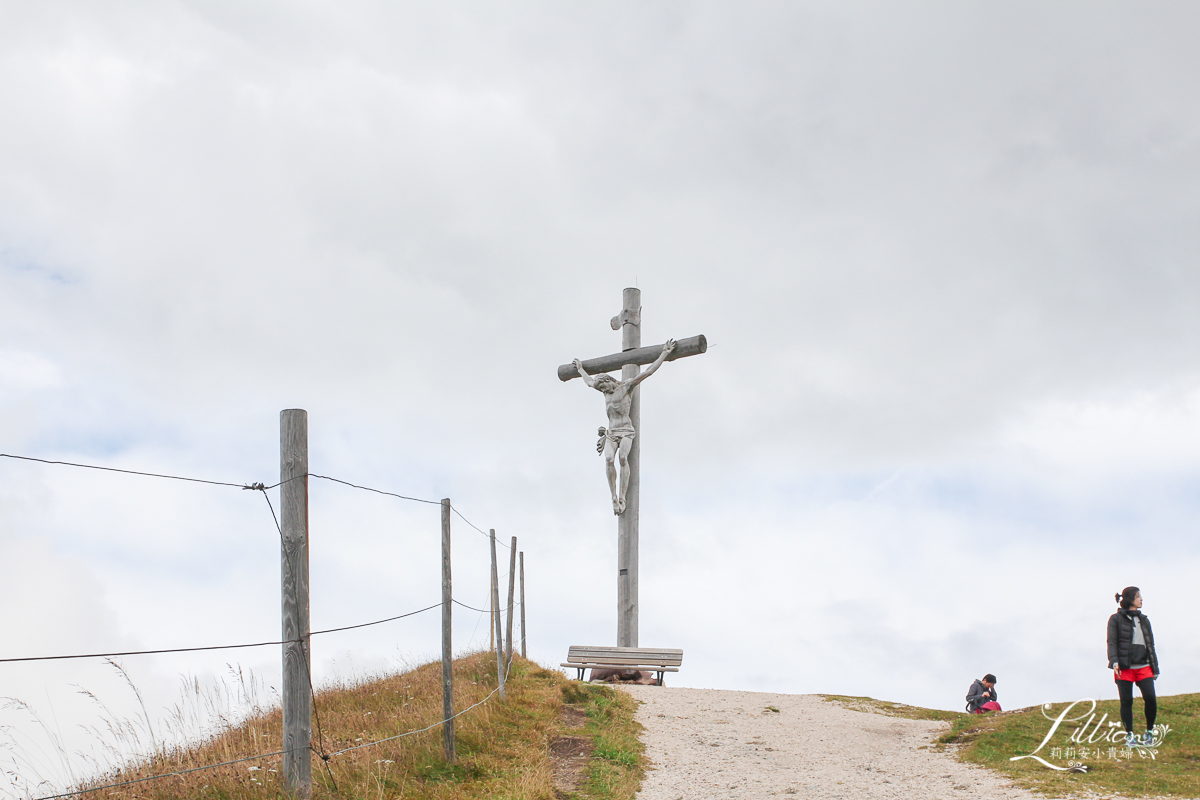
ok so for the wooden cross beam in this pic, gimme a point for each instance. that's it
(641, 356)
(629, 361)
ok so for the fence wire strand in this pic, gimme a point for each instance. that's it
(219, 646)
(125, 471)
(256, 486)
(378, 621)
(376, 491)
(480, 610)
(147, 652)
(481, 531)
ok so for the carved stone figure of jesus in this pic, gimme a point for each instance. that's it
(616, 441)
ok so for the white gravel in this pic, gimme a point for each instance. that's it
(708, 743)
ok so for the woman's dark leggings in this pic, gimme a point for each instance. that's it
(1125, 689)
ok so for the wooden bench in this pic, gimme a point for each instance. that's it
(660, 660)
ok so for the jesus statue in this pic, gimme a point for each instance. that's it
(616, 441)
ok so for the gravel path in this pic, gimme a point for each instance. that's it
(708, 743)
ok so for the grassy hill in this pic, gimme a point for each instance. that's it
(551, 735)
(558, 738)
(1170, 770)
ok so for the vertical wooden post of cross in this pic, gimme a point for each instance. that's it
(630, 323)
(447, 650)
(297, 677)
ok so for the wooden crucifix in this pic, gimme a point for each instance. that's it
(620, 442)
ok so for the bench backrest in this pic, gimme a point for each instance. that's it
(618, 656)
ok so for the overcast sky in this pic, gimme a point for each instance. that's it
(945, 255)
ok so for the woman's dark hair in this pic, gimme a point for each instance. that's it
(989, 678)
(1127, 596)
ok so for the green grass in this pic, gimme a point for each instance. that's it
(1174, 771)
(617, 766)
(992, 740)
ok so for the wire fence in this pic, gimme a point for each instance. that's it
(261, 487)
(255, 486)
(325, 757)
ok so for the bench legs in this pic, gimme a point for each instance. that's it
(661, 674)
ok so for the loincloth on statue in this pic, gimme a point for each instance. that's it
(617, 434)
(614, 435)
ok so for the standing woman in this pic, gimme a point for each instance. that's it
(1133, 660)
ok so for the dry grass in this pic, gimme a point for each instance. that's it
(872, 706)
(502, 748)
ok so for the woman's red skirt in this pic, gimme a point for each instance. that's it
(1135, 675)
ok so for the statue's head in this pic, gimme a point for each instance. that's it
(606, 383)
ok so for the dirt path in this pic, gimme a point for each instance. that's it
(723, 745)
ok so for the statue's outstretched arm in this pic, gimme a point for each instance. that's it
(588, 379)
(668, 348)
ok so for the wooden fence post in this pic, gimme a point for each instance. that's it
(499, 640)
(523, 605)
(297, 675)
(447, 651)
(512, 582)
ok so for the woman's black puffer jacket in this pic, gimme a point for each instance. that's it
(1120, 639)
